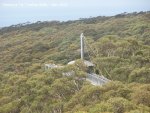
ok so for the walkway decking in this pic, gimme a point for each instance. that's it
(96, 79)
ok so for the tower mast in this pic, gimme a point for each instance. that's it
(82, 46)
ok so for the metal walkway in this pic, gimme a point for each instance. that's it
(96, 79)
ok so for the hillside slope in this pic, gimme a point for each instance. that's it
(119, 46)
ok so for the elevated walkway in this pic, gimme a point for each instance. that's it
(96, 80)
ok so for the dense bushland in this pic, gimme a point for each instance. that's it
(119, 46)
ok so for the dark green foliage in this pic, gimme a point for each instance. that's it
(40, 47)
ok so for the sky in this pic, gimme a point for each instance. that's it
(21, 11)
